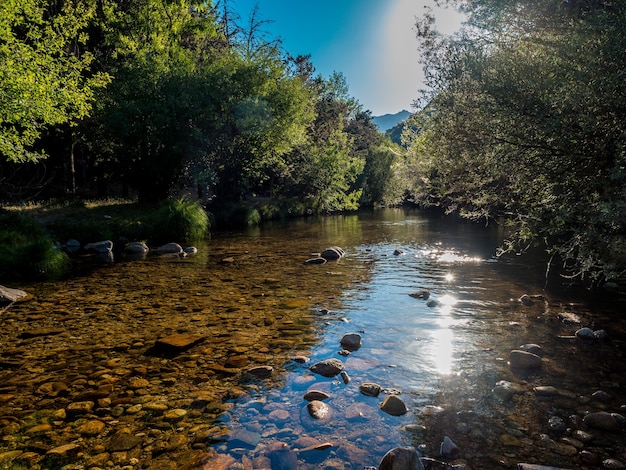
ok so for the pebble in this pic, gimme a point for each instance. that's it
(532, 348)
(585, 333)
(613, 464)
(602, 420)
(505, 390)
(448, 449)
(600, 395)
(401, 458)
(370, 389)
(91, 428)
(175, 414)
(546, 391)
(351, 341)
(261, 372)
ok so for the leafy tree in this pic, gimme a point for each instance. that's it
(525, 118)
(256, 113)
(325, 169)
(44, 79)
(145, 128)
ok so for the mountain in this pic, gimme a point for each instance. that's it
(388, 121)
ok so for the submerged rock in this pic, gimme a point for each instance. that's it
(401, 458)
(317, 395)
(327, 367)
(318, 409)
(525, 300)
(332, 253)
(177, 342)
(423, 294)
(261, 372)
(282, 457)
(519, 359)
(602, 420)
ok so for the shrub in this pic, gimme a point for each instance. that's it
(26, 252)
(183, 220)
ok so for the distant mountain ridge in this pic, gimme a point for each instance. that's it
(389, 121)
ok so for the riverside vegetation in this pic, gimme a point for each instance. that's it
(522, 119)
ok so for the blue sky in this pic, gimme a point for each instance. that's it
(372, 42)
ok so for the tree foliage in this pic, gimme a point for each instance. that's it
(42, 72)
(526, 118)
(154, 98)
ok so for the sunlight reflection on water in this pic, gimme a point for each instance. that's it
(443, 350)
(410, 345)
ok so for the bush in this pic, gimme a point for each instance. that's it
(26, 252)
(181, 220)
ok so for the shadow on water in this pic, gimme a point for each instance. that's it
(207, 359)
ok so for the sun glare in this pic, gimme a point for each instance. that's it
(443, 350)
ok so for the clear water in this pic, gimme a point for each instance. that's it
(255, 302)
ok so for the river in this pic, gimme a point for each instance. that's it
(80, 366)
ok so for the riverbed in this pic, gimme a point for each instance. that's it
(87, 383)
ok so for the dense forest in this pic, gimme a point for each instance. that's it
(146, 98)
(522, 120)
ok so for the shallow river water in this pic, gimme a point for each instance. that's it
(81, 367)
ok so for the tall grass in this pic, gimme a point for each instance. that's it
(26, 251)
(182, 220)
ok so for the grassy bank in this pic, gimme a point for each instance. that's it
(32, 236)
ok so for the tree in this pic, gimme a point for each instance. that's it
(146, 126)
(525, 118)
(44, 72)
(325, 169)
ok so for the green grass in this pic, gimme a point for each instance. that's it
(26, 251)
(30, 235)
(182, 220)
